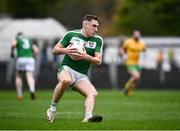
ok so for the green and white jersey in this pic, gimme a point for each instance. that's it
(24, 47)
(91, 44)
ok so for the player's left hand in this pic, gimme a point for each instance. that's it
(79, 55)
(12, 55)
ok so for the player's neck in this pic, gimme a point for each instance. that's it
(136, 39)
(84, 33)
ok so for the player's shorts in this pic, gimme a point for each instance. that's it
(25, 64)
(134, 68)
(76, 76)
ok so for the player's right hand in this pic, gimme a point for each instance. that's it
(12, 55)
(70, 50)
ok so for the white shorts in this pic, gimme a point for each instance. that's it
(25, 64)
(75, 76)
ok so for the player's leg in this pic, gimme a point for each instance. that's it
(128, 84)
(64, 79)
(132, 82)
(88, 90)
(19, 84)
(29, 68)
(18, 78)
(31, 84)
(135, 76)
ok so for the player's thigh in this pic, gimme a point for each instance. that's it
(19, 74)
(136, 74)
(64, 76)
(29, 74)
(85, 88)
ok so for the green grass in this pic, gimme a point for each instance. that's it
(145, 110)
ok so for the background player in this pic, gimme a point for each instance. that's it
(132, 48)
(25, 63)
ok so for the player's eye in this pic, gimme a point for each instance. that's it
(95, 25)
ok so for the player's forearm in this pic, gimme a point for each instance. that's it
(94, 60)
(12, 52)
(59, 50)
(35, 49)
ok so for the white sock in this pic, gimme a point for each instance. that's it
(19, 91)
(53, 107)
(32, 88)
(88, 115)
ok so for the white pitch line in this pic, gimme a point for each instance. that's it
(69, 113)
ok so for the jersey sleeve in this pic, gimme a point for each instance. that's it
(125, 45)
(65, 40)
(99, 46)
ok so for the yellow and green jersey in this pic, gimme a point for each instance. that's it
(133, 49)
(92, 44)
(24, 47)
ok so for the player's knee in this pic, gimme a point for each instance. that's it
(94, 93)
(65, 82)
(136, 77)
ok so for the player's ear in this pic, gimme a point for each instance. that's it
(85, 23)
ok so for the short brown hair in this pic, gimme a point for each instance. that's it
(90, 17)
(18, 34)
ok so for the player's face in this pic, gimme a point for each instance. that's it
(136, 34)
(92, 28)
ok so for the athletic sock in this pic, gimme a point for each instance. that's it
(88, 115)
(53, 106)
(32, 88)
(128, 84)
(19, 91)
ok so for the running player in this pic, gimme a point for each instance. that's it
(73, 72)
(25, 63)
(133, 48)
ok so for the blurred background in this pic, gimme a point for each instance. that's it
(46, 21)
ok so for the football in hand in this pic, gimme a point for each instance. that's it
(80, 48)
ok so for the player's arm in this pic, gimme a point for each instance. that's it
(35, 49)
(145, 47)
(124, 47)
(63, 46)
(124, 51)
(97, 59)
(13, 46)
(60, 49)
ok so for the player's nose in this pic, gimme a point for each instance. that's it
(96, 29)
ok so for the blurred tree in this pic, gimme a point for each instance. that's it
(69, 12)
(105, 9)
(3, 8)
(152, 17)
(29, 8)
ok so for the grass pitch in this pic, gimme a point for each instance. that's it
(144, 110)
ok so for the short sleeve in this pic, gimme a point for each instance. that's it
(65, 39)
(125, 45)
(99, 46)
